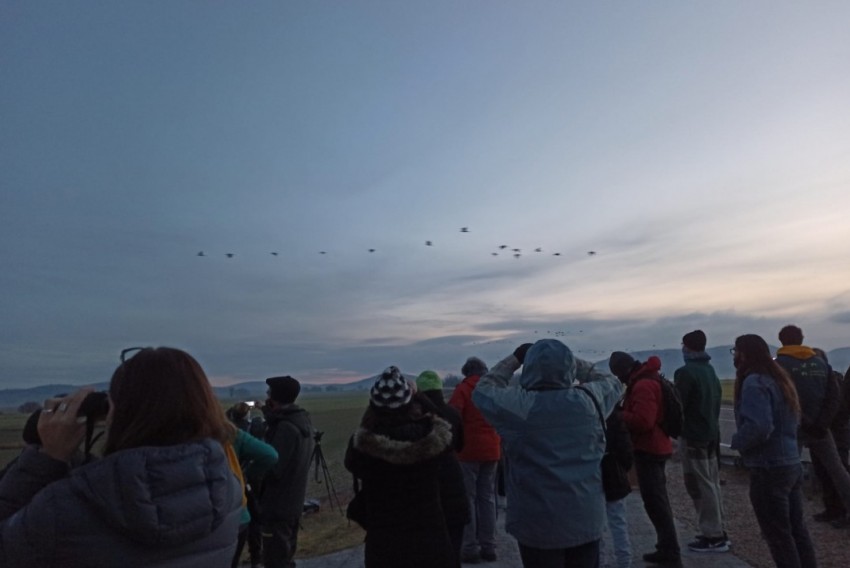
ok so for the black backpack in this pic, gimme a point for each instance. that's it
(674, 418)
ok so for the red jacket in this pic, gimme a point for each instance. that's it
(643, 410)
(480, 440)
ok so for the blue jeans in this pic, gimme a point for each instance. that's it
(618, 528)
(777, 499)
(479, 478)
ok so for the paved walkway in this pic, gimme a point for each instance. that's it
(640, 529)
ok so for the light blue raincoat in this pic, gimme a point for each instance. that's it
(553, 442)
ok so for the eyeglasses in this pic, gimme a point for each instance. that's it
(133, 351)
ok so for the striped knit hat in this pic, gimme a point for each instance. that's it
(391, 390)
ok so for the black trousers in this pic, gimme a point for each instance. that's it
(831, 498)
(652, 480)
(280, 540)
(582, 556)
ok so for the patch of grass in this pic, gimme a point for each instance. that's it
(337, 415)
(728, 387)
(11, 443)
(325, 532)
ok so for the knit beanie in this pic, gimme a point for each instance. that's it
(283, 389)
(620, 363)
(391, 390)
(695, 340)
(429, 381)
(474, 366)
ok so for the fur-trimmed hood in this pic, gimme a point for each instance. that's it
(437, 440)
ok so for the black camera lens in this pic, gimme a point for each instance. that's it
(95, 406)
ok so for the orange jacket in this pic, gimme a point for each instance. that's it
(480, 440)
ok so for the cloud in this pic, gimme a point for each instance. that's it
(840, 317)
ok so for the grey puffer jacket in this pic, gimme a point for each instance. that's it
(172, 506)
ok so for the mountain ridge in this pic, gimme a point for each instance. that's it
(671, 359)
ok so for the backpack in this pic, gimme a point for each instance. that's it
(615, 480)
(674, 418)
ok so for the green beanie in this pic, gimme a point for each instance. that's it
(428, 381)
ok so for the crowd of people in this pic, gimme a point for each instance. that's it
(564, 435)
(182, 483)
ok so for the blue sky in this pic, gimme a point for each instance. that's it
(701, 149)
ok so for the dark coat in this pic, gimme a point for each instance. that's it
(701, 393)
(618, 445)
(290, 432)
(172, 506)
(840, 426)
(397, 455)
(452, 489)
(818, 396)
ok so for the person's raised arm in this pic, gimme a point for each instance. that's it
(492, 395)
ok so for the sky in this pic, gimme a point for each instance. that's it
(701, 150)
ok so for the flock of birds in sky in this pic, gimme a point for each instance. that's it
(502, 249)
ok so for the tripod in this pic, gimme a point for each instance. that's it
(319, 461)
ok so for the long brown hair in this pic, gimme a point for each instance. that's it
(757, 359)
(161, 397)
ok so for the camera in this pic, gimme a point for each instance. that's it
(93, 408)
(317, 436)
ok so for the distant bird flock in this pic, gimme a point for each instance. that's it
(515, 252)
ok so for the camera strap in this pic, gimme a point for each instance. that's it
(91, 439)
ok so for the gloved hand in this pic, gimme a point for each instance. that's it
(520, 352)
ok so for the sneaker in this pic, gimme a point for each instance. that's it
(703, 544)
(488, 555)
(725, 537)
(470, 558)
(665, 558)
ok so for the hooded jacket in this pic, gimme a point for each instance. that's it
(290, 432)
(553, 442)
(173, 506)
(398, 456)
(643, 410)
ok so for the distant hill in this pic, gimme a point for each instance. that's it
(11, 399)
(671, 359)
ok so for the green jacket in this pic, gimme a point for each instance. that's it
(699, 389)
